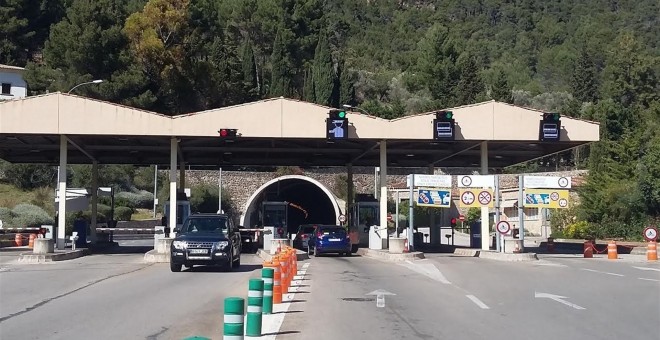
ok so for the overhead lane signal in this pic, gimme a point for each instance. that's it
(228, 133)
(336, 124)
(550, 127)
(444, 126)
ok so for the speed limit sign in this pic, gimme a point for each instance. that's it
(650, 233)
(503, 227)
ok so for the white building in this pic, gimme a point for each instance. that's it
(12, 83)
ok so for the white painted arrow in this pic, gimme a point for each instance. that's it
(647, 268)
(557, 298)
(380, 296)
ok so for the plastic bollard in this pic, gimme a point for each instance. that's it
(277, 282)
(233, 320)
(255, 307)
(285, 274)
(588, 249)
(267, 275)
(652, 251)
(611, 251)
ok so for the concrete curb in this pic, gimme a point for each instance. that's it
(385, 255)
(489, 254)
(153, 257)
(466, 252)
(52, 257)
(266, 256)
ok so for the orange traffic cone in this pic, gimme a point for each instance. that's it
(611, 251)
(652, 251)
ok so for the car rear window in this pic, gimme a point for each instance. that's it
(333, 230)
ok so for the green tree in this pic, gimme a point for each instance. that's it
(250, 71)
(308, 87)
(437, 62)
(280, 84)
(346, 84)
(501, 91)
(584, 82)
(324, 74)
(470, 86)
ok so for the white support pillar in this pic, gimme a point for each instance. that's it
(171, 222)
(95, 199)
(485, 218)
(434, 228)
(382, 199)
(349, 193)
(61, 195)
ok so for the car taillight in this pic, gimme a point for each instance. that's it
(305, 236)
(319, 234)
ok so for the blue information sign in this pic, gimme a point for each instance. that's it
(434, 198)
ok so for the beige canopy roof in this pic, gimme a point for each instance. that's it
(276, 131)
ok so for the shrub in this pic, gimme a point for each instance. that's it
(7, 217)
(102, 210)
(123, 213)
(577, 230)
(28, 215)
(142, 199)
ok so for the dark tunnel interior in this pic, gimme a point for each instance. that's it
(308, 196)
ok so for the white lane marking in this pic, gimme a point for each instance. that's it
(271, 323)
(477, 301)
(654, 280)
(598, 271)
(550, 264)
(557, 298)
(427, 269)
(647, 268)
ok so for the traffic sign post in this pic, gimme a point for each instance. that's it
(650, 233)
(503, 227)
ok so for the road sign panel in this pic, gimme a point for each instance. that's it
(650, 233)
(503, 227)
(476, 181)
(434, 198)
(547, 182)
(432, 181)
(546, 198)
(475, 198)
(485, 197)
(342, 218)
(461, 217)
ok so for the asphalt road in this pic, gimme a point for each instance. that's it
(115, 296)
(446, 297)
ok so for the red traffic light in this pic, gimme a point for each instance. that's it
(223, 133)
(453, 220)
(227, 133)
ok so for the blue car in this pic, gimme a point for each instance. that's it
(330, 239)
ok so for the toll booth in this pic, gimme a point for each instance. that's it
(475, 234)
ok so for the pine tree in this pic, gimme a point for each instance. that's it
(470, 86)
(324, 75)
(280, 84)
(501, 90)
(584, 82)
(346, 85)
(308, 87)
(437, 63)
(249, 67)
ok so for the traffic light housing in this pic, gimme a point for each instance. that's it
(227, 133)
(453, 222)
(336, 124)
(444, 126)
(550, 127)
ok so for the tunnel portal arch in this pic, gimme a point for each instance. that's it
(286, 189)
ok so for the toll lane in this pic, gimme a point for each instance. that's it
(148, 303)
(471, 298)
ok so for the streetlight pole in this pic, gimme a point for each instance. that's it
(356, 108)
(97, 81)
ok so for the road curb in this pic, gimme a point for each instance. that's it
(52, 257)
(153, 257)
(519, 257)
(385, 255)
(466, 252)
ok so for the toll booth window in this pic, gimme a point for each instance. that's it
(275, 216)
(369, 216)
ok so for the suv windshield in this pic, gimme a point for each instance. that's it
(206, 225)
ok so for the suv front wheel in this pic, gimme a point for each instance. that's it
(175, 267)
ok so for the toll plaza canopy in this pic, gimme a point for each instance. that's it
(271, 132)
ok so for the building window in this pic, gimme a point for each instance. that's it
(6, 88)
(511, 214)
(531, 213)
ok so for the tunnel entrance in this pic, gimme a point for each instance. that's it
(310, 202)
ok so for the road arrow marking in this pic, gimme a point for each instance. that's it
(647, 268)
(380, 297)
(557, 298)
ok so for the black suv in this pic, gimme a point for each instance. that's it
(206, 239)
